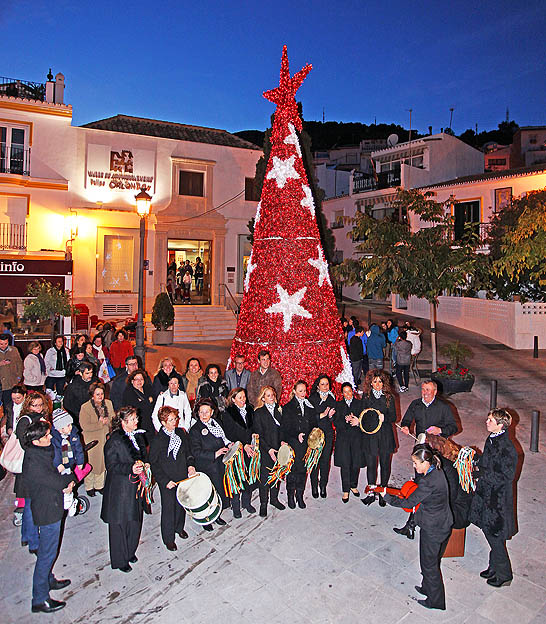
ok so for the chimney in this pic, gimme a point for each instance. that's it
(59, 89)
(49, 88)
(430, 129)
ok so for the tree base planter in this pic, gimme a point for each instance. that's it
(452, 386)
(162, 336)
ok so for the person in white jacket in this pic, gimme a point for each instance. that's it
(34, 368)
(177, 398)
(56, 360)
(414, 336)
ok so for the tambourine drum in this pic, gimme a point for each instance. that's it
(232, 452)
(199, 498)
(315, 439)
(375, 428)
(284, 455)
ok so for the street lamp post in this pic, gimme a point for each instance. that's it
(143, 205)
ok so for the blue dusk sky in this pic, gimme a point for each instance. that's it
(207, 63)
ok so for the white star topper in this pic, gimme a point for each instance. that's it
(307, 201)
(289, 306)
(283, 170)
(322, 266)
(292, 139)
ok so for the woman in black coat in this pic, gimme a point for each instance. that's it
(237, 423)
(171, 461)
(209, 444)
(125, 457)
(435, 519)
(348, 454)
(324, 402)
(492, 507)
(379, 445)
(267, 424)
(298, 418)
(165, 371)
(137, 394)
(213, 386)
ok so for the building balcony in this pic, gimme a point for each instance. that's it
(363, 182)
(480, 229)
(12, 87)
(13, 236)
(14, 159)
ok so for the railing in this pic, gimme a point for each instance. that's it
(227, 299)
(480, 229)
(363, 182)
(337, 223)
(14, 159)
(22, 88)
(13, 236)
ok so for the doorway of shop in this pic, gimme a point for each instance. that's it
(189, 271)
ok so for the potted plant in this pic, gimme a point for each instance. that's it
(162, 320)
(49, 303)
(455, 377)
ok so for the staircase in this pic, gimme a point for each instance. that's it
(200, 323)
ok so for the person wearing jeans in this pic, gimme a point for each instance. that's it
(46, 486)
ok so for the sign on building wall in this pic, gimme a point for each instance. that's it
(120, 169)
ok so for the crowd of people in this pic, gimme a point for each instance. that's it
(179, 280)
(136, 430)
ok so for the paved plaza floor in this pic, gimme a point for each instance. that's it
(328, 563)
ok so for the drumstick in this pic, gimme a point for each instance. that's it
(410, 434)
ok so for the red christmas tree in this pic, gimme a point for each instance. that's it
(288, 305)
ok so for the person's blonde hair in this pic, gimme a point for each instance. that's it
(300, 382)
(260, 399)
(162, 361)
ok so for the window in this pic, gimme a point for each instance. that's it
(14, 152)
(117, 265)
(533, 139)
(251, 190)
(191, 183)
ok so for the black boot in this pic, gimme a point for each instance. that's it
(314, 492)
(263, 511)
(291, 502)
(301, 502)
(408, 529)
(236, 507)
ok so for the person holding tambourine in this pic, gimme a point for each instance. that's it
(324, 402)
(379, 414)
(299, 417)
(267, 424)
(433, 515)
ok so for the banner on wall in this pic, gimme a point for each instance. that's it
(120, 169)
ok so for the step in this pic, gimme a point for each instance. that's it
(201, 323)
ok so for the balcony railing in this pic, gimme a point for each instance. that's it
(13, 236)
(14, 159)
(22, 89)
(363, 182)
(481, 229)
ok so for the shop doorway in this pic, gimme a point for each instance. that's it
(194, 256)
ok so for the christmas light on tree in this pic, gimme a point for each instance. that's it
(288, 304)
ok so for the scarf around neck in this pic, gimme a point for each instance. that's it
(192, 378)
(216, 430)
(41, 361)
(174, 442)
(62, 362)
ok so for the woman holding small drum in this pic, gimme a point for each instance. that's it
(209, 444)
(324, 402)
(171, 461)
(267, 424)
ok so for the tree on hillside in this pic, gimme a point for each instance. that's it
(424, 263)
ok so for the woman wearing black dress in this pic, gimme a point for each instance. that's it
(492, 507)
(125, 457)
(298, 418)
(348, 453)
(435, 519)
(324, 402)
(171, 461)
(209, 444)
(137, 394)
(237, 423)
(379, 445)
(213, 386)
(267, 424)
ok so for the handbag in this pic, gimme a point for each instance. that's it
(12, 455)
(110, 368)
(103, 372)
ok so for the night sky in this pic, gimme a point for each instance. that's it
(207, 63)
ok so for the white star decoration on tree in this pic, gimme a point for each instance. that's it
(307, 201)
(322, 266)
(346, 373)
(289, 306)
(292, 139)
(249, 268)
(282, 171)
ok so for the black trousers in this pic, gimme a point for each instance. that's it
(431, 549)
(268, 493)
(123, 539)
(295, 479)
(242, 498)
(349, 477)
(385, 459)
(499, 561)
(402, 374)
(321, 471)
(173, 515)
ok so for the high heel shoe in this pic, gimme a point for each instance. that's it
(345, 500)
(495, 582)
(355, 492)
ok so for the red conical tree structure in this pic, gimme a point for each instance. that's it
(288, 305)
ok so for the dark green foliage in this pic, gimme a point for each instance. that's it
(162, 312)
(49, 302)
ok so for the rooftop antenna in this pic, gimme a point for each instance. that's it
(451, 118)
(323, 114)
(507, 115)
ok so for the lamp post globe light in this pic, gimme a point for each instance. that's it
(143, 203)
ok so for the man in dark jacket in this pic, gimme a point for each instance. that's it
(46, 487)
(120, 382)
(429, 413)
(375, 345)
(77, 391)
(356, 353)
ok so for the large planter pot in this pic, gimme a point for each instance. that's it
(451, 386)
(162, 336)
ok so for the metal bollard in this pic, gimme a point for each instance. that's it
(493, 395)
(535, 347)
(533, 446)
